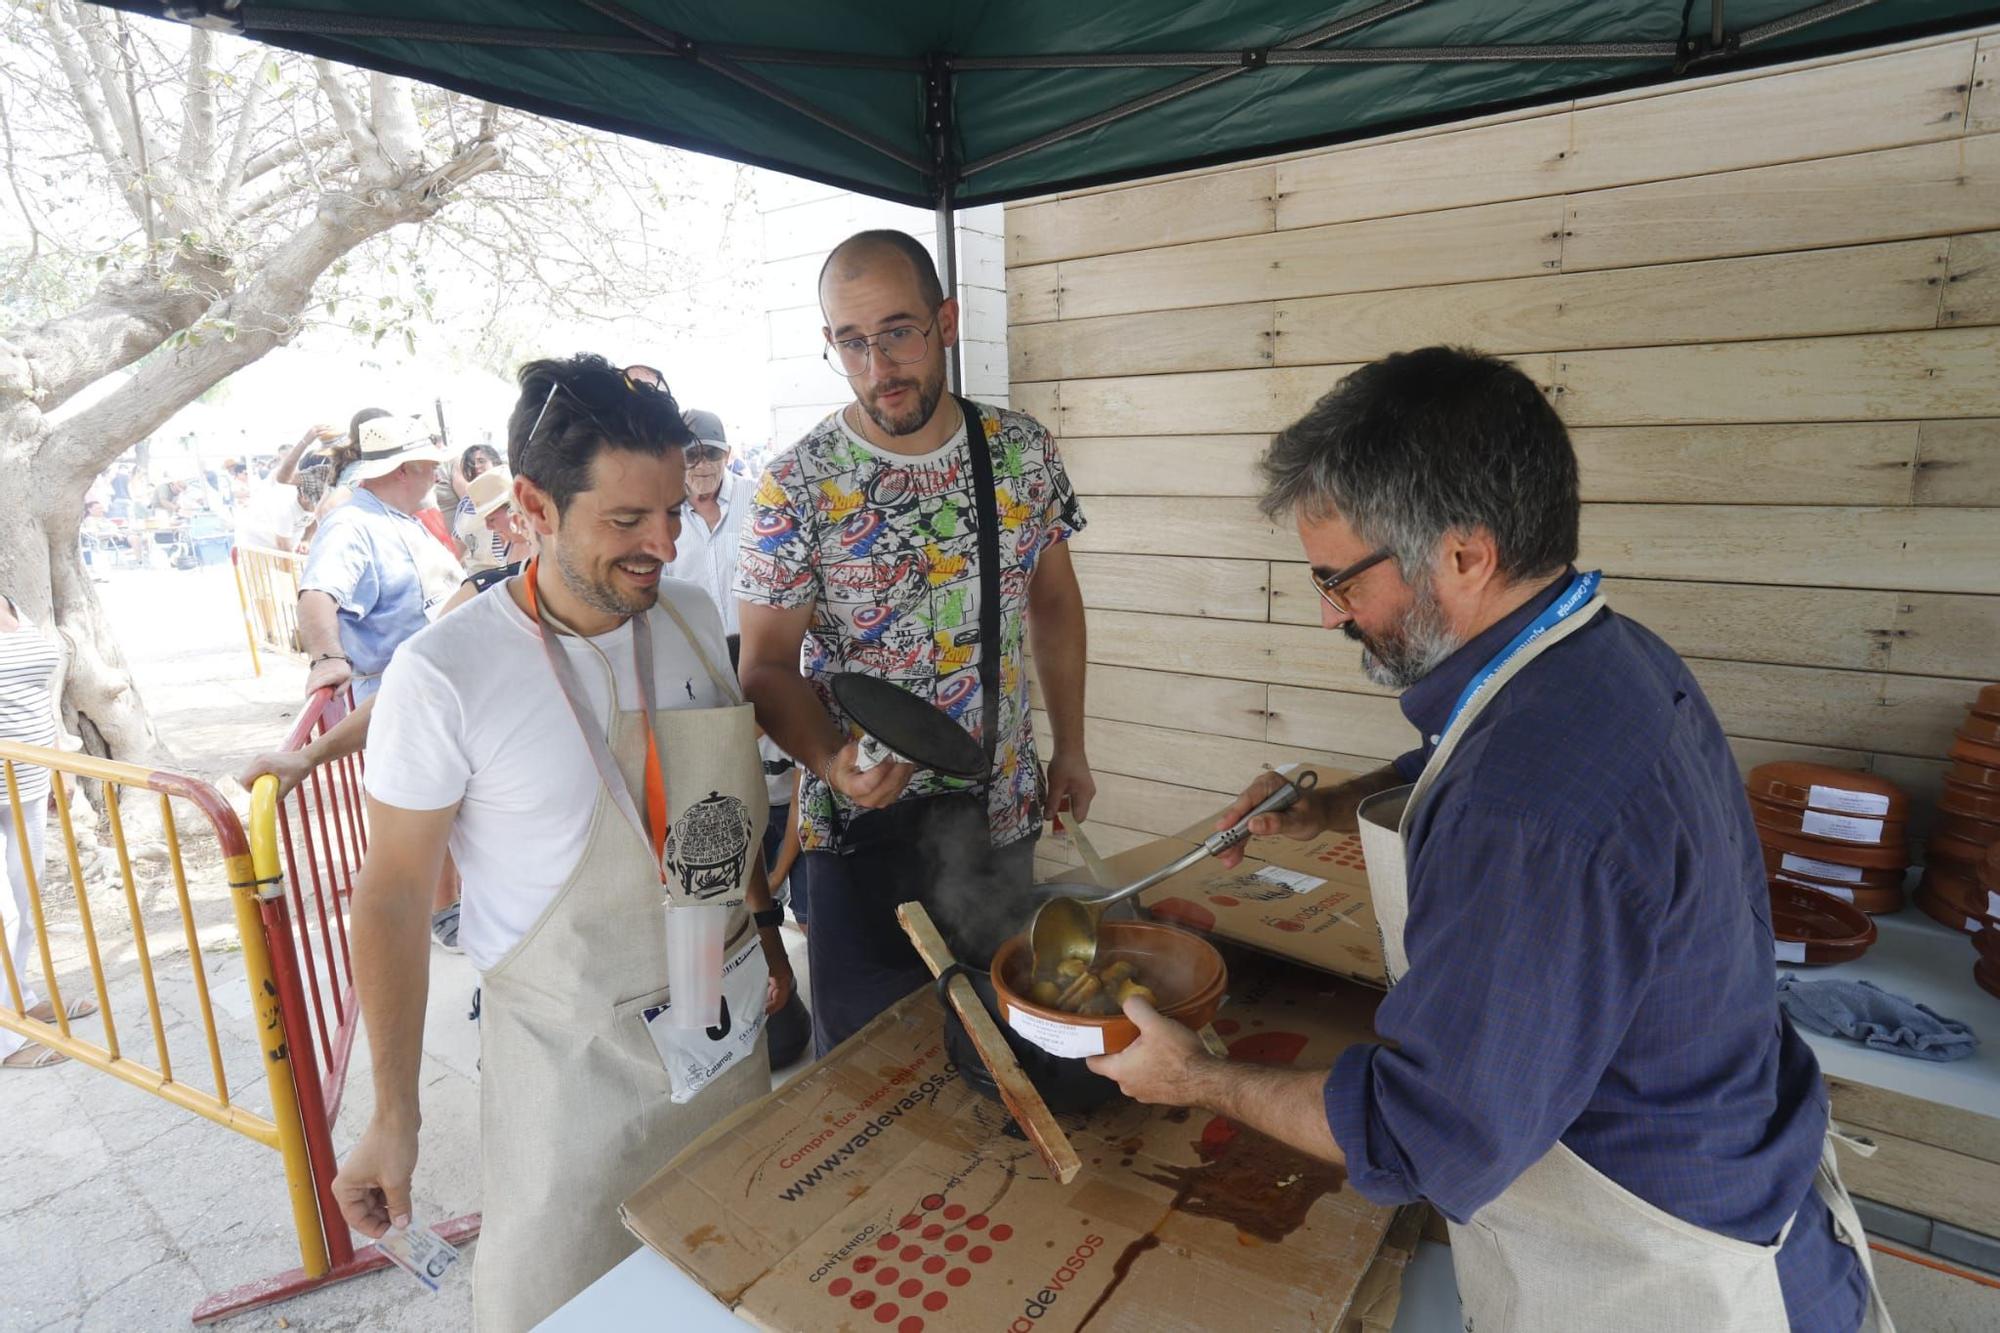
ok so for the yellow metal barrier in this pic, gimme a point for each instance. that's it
(267, 586)
(257, 901)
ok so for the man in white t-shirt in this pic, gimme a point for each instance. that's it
(705, 555)
(477, 743)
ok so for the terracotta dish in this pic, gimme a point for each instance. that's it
(1959, 892)
(1987, 941)
(1985, 730)
(1989, 869)
(1987, 973)
(1841, 853)
(1942, 912)
(1875, 902)
(1824, 787)
(1983, 832)
(1962, 854)
(1969, 751)
(1972, 802)
(1831, 871)
(1988, 702)
(1974, 775)
(1182, 969)
(1830, 826)
(1819, 928)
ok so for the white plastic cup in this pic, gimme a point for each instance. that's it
(694, 965)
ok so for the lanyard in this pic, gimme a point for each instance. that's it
(1579, 593)
(653, 829)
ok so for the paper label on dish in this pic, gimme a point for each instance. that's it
(1288, 879)
(1806, 865)
(1790, 951)
(1848, 802)
(1066, 1039)
(1845, 895)
(1845, 827)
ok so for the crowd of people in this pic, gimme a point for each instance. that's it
(595, 682)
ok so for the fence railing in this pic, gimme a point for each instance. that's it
(267, 586)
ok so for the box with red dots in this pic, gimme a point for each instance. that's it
(925, 1212)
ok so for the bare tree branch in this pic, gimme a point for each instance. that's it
(272, 158)
(239, 142)
(352, 123)
(77, 61)
(194, 160)
(106, 65)
(393, 118)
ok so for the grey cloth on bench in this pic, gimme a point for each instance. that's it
(1864, 1012)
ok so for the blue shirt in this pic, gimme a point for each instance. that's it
(1590, 961)
(365, 558)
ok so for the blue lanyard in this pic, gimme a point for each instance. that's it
(1581, 589)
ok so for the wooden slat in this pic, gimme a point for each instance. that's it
(1847, 290)
(1228, 649)
(1941, 550)
(1165, 464)
(1221, 402)
(1816, 112)
(1183, 586)
(1972, 287)
(1206, 338)
(1141, 217)
(1159, 808)
(1982, 113)
(1335, 720)
(1219, 764)
(1938, 634)
(1459, 245)
(1958, 463)
(1868, 377)
(1927, 190)
(1922, 778)
(1857, 710)
(1950, 1186)
(1520, 159)
(1205, 703)
(1040, 401)
(1866, 1107)
(1830, 463)
(1033, 293)
(1935, 549)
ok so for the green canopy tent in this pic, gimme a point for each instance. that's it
(947, 105)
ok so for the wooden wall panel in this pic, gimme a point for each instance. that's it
(1767, 306)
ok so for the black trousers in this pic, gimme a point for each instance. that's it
(862, 962)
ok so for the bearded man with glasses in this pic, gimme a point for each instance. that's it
(921, 538)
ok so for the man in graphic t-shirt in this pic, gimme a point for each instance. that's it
(862, 546)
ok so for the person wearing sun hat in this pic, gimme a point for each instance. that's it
(375, 575)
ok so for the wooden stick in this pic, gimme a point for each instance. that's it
(1022, 1099)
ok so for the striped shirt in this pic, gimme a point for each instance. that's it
(28, 663)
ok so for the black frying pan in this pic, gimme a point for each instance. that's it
(914, 728)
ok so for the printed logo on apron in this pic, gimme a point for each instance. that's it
(708, 849)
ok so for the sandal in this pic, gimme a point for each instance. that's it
(45, 1012)
(33, 1056)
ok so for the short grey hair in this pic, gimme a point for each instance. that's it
(1422, 443)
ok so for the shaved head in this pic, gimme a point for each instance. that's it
(865, 251)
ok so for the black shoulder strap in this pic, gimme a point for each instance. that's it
(989, 578)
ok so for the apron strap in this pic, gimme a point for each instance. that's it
(652, 830)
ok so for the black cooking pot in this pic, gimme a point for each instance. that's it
(1065, 1083)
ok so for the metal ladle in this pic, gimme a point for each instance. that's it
(1067, 927)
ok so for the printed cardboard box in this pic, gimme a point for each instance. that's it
(1306, 901)
(878, 1191)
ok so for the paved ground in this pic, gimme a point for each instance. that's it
(119, 1211)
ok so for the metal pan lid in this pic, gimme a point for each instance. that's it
(913, 727)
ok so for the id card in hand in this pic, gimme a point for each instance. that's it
(420, 1252)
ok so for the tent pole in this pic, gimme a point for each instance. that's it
(944, 182)
(947, 252)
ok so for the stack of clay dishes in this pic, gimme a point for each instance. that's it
(1968, 822)
(1808, 926)
(1987, 938)
(1833, 830)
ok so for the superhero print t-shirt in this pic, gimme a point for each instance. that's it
(885, 550)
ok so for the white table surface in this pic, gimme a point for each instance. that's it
(1914, 957)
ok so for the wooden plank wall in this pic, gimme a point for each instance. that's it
(1767, 305)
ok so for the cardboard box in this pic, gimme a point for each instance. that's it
(878, 1191)
(1306, 901)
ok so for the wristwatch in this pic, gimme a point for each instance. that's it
(770, 916)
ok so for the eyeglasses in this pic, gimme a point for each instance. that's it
(901, 346)
(1329, 586)
(636, 378)
(704, 453)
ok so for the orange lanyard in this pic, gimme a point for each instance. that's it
(653, 828)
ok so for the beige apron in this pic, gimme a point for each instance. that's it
(576, 1108)
(1564, 1247)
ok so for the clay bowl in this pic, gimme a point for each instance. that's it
(1969, 751)
(1892, 857)
(1962, 854)
(1989, 870)
(1960, 892)
(1987, 973)
(1820, 928)
(1972, 802)
(1981, 832)
(1988, 702)
(1943, 912)
(1974, 775)
(1183, 969)
(1875, 902)
(1818, 870)
(1987, 940)
(1985, 730)
(1824, 787)
(1830, 826)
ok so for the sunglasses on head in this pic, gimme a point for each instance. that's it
(636, 379)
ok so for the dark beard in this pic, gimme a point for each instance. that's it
(929, 392)
(603, 597)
